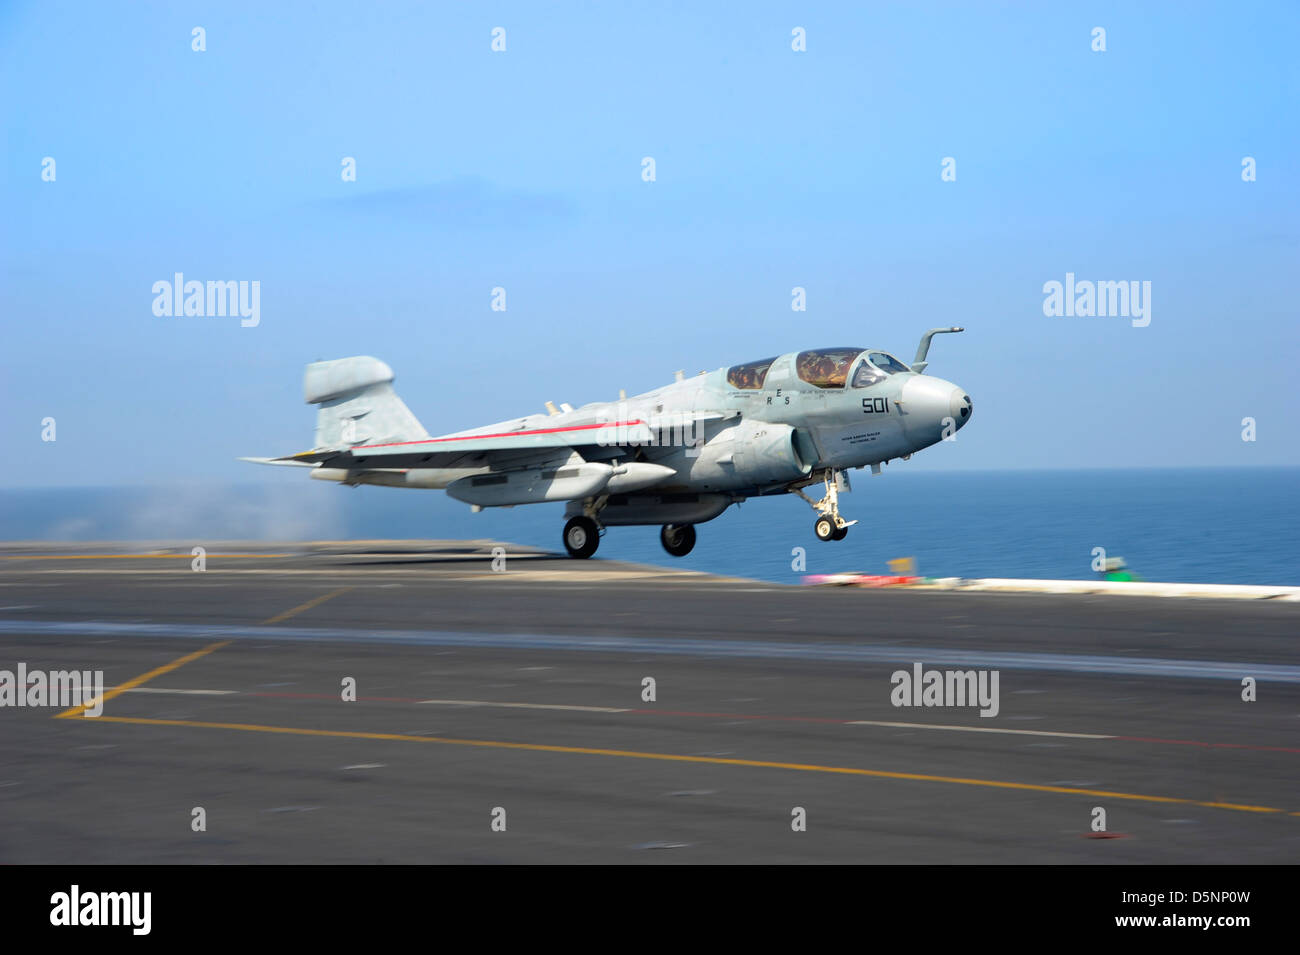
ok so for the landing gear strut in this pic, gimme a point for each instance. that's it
(678, 539)
(581, 537)
(829, 526)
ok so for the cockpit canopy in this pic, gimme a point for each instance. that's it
(751, 375)
(826, 367)
(875, 367)
(829, 367)
(823, 368)
(886, 362)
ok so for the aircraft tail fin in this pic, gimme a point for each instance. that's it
(356, 404)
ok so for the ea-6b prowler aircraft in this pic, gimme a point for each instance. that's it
(677, 456)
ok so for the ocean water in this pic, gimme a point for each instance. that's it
(1206, 525)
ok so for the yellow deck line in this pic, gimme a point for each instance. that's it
(316, 602)
(123, 556)
(712, 760)
(188, 658)
(142, 678)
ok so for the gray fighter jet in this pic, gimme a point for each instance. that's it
(676, 456)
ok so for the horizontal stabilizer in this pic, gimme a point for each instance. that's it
(283, 462)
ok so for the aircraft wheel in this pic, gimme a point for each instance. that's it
(840, 533)
(678, 539)
(825, 529)
(581, 537)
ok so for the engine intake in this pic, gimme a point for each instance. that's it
(766, 453)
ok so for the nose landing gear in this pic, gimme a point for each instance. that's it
(826, 530)
(829, 526)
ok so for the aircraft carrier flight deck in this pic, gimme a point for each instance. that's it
(550, 710)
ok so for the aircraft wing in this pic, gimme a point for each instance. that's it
(473, 450)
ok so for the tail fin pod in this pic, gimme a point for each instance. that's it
(357, 404)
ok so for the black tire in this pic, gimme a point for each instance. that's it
(824, 528)
(678, 539)
(581, 537)
(840, 533)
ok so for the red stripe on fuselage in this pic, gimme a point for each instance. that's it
(504, 434)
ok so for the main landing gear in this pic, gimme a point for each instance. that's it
(678, 539)
(581, 537)
(829, 526)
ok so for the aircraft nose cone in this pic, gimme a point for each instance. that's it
(959, 406)
(928, 403)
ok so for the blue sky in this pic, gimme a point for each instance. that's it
(522, 169)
